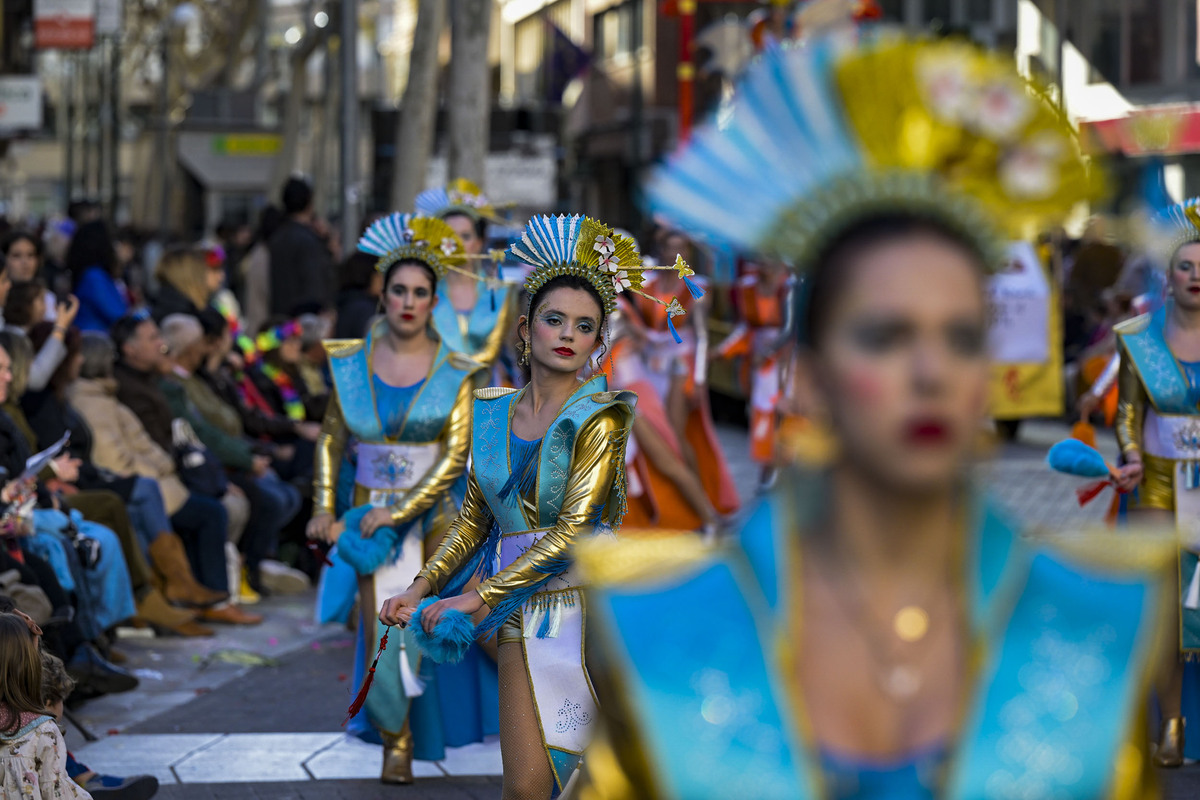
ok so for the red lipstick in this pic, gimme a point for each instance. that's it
(408, 317)
(927, 431)
(565, 352)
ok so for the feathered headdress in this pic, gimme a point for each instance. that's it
(461, 196)
(429, 240)
(1172, 228)
(821, 136)
(581, 246)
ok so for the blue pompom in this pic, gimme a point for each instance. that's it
(368, 553)
(451, 638)
(1073, 457)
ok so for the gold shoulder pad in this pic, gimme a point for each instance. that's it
(461, 361)
(640, 556)
(340, 348)
(1133, 551)
(493, 392)
(1131, 326)
(609, 397)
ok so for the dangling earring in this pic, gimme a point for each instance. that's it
(523, 358)
(809, 441)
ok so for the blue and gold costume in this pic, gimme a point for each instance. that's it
(703, 705)
(482, 330)
(403, 448)
(529, 504)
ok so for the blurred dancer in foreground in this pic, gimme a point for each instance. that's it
(877, 629)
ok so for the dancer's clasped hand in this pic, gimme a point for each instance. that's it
(398, 610)
(467, 603)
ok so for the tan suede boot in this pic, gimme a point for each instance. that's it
(154, 610)
(179, 585)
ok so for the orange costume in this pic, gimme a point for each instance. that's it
(667, 361)
(764, 317)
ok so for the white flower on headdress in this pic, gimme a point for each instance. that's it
(945, 79)
(1031, 171)
(610, 262)
(449, 246)
(1001, 109)
(621, 281)
(604, 246)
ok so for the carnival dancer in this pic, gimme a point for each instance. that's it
(877, 629)
(389, 472)
(760, 339)
(677, 362)
(1158, 428)
(475, 311)
(548, 471)
(664, 491)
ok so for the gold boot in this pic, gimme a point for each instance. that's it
(1170, 744)
(397, 757)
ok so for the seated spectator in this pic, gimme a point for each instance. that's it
(141, 363)
(57, 686)
(314, 361)
(273, 503)
(187, 280)
(34, 756)
(120, 444)
(26, 304)
(278, 375)
(94, 573)
(23, 262)
(96, 275)
(224, 372)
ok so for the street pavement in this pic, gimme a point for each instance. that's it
(255, 713)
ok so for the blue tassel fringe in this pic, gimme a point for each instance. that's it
(693, 287)
(675, 333)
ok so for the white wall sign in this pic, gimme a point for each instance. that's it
(1020, 310)
(20, 102)
(109, 17)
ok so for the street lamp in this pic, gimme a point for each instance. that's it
(180, 17)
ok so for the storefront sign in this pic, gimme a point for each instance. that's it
(64, 24)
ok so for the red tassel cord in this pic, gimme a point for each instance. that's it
(361, 699)
(320, 551)
(1089, 492)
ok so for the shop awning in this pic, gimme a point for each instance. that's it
(1158, 130)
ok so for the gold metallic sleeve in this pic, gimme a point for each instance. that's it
(331, 444)
(1131, 406)
(464, 536)
(495, 341)
(445, 471)
(593, 470)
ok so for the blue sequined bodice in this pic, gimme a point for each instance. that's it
(392, 403)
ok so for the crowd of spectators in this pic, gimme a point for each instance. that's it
(180, 496)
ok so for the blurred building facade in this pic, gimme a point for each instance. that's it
(587, 95)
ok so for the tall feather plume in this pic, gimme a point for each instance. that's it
(785, 135)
